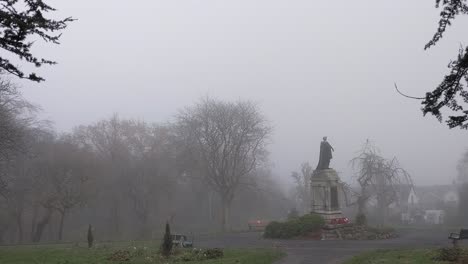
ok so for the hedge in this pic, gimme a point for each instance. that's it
(295, 227)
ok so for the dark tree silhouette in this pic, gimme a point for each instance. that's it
(166, 246)
(228, 142)
(451, 93)
(21, 20)
(90, 237)
(378, 177)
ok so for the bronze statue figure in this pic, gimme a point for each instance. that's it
(325, 155)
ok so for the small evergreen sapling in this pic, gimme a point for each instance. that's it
(166, 246)
(90, 237)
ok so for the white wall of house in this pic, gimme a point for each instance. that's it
(434, 217)
(413, 199)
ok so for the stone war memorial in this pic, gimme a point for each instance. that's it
(325, 186)
(326, 189)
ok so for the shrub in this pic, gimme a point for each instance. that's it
(448, 254)
(139, 251)
(200, 254)
(188, 256)
(120, 256)
(294, 227)
(166, 246)
(361, 219)
(310, 223)
(213, 253)
(272, 230)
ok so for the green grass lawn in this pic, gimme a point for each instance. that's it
(415, 256)
(139, 254)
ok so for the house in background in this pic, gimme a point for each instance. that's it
(431, 205)
(434, 217)
(451, 198)
(409, 205)
(438, 196)
(436, 203)
(427, 204)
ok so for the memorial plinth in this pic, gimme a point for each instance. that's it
(325, 185)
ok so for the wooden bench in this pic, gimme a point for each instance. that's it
(455, 237)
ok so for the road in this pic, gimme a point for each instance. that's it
(326, 252)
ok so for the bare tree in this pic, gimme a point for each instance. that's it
(61, 171)
(139, 169)
(69, 174)
(107, 139)
(15, 196)
(17, 115)
(131, 176)
(18, 128)
(152, 172)
(228, 142)
(303, 185)
(379, 178)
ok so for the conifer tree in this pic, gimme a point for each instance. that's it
(21, 20)
(90, 237)
(166, 246)
(451, 95)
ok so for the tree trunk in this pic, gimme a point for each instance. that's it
(41, 226)
(34, 221)
(2, 235)
(144, 232)
(226, 206)
(361, 203)
(62, 220)
(115, 219)
(19, 223)
(381, 195)
(382, 209)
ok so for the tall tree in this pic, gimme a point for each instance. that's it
(152, 173)
(17, 115)
(108, 140)
(451, 94)
(380, 178)
(18, 127)
(21, 20)
(228, 141)
(68, 173)
(302, 181)
(139, 170)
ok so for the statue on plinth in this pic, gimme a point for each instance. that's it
(325, 185)
(325, 155)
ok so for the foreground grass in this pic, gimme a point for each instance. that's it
(140, 255)
(415, 256)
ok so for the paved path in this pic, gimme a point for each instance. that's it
(324, 252)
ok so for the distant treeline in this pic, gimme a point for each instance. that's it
(206, 171)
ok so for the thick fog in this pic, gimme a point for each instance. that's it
(315, 68)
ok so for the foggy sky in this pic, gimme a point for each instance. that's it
(315, 67)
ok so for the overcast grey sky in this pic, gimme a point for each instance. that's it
(315, 67)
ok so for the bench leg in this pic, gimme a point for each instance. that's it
(455, 243)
